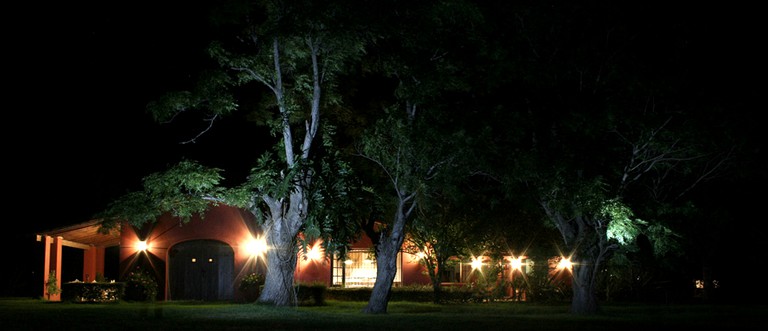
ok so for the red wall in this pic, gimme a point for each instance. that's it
(223, 223)
(310, 271)
(235, 228)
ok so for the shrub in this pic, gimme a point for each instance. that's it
(250, 286)
(140, 285)
(311, 294)
(92, 292)
(52, 286)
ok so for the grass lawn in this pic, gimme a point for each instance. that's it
(35, 314)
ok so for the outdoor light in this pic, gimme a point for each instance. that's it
(565, 263)
(141, 246)
(422, 253)
(314, 254)
(256, 246)
(517, 263)
(476, 263)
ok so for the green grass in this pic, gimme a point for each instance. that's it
(33, 314)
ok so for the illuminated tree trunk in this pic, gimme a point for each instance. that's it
(278, 284)
(389, 245)
(386, 268)
(281, 231)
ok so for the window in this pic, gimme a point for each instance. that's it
(359, 269)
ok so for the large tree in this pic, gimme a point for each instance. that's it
(440, 232)
(407, 144)
(606, 135)
(293, 51)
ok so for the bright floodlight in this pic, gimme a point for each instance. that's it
(314, 253)
(141, 246)
(565, 263)
(476, 263)
(256, 246)
(517, 263)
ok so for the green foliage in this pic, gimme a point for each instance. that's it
(664, 239)
(541, 287)
(98, 292)
(310, 294)
(52, 286)
(625, 228)
(140, 285)
(268, 178)
(250, 286)
(622, 225)
(185, 190)
(252, 281)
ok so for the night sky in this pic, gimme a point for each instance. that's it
(78, 77)
(81, 135)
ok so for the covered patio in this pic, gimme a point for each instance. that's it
(85, 236)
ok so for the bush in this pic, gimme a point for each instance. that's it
(140, 285)
(51, 286)
(250, 286)
(349, 294)
(92, 292)
(413, 293)
(312, 294)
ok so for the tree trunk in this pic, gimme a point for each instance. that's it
(388, 246)
(584, 300)
(434, 275)
(593, 249)
(281, 254)
(278, 284)
(438, 292)
(386, 268)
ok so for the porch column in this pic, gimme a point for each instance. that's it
(53, 252)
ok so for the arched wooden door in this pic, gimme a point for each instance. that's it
(201, 270)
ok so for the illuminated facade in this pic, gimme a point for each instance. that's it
(205, 259)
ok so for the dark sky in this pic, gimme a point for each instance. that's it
(77, 133)
(79, 75)
(77, 79)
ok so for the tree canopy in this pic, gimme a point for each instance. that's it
(582, 116)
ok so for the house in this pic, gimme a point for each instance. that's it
(205, 259)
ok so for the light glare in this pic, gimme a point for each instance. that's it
(476, 263)
(141, 246)
(256, 246)
(517, 263)
(314, 253)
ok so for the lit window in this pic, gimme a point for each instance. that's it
(359, 270)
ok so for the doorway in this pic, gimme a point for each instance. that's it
(201, 270)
